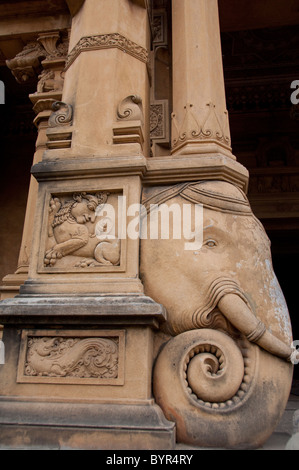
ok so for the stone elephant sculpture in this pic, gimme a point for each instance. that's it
(223, 373)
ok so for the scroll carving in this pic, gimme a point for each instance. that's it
(71, 357)
(130, 109)
(62, 114)
(59, 132)
(130, 119)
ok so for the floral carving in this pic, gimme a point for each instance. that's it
(72, 357)
(108, 41)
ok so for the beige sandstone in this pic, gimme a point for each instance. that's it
(100, 320)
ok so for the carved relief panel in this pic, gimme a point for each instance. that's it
(81, 232)
(72, 357)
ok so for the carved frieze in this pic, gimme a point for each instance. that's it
(108, 41)
(82, 232)
(69, 356)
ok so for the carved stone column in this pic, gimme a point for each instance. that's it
(43, 61)
(107, 81)
(200, 119)
(86, 347)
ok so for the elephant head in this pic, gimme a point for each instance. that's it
(229, 281)
(228, 284)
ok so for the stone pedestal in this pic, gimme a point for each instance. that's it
(78, 373)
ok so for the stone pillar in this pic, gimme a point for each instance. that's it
(200, 119)
(107, 82)
(98, 141)
(80, 336)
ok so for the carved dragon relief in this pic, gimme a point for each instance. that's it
(78, 233)
(72, 357)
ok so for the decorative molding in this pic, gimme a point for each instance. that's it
(72, 357)
(107, 41)
(213, 126)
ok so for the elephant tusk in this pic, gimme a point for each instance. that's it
(241, 317)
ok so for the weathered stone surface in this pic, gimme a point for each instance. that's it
(84, 426)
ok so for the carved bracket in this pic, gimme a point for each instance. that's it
(129, 128)
(42, 60)
(26, 66)
(59, 132)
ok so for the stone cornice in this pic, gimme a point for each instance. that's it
(107, 41)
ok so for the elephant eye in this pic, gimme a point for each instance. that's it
(210, 243)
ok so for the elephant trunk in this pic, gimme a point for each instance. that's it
(241, 317)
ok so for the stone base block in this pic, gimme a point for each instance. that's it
(78, 374)
(28, 425)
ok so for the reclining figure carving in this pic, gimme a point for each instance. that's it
(223, 373)
(72, 232)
